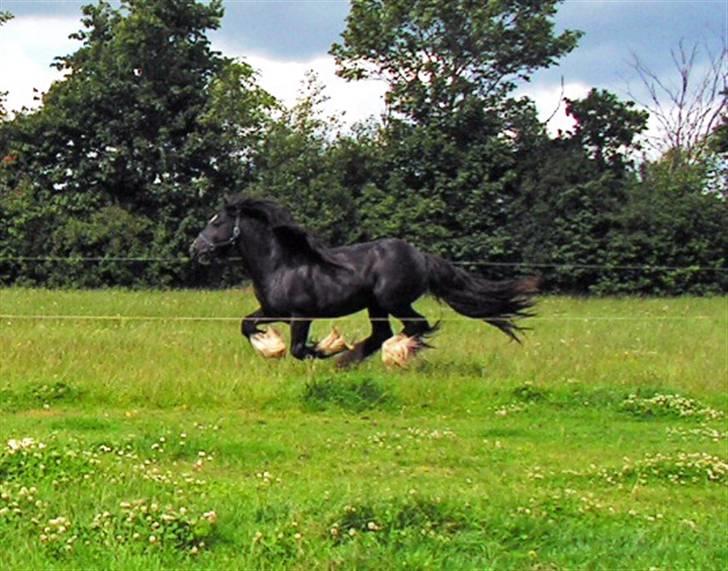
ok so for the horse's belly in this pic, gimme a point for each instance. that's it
(337, 300)
(318, 295)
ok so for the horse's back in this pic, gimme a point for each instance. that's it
(380, 253)
(394, 269)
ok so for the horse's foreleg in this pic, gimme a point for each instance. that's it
(381, 331)
(300, 347)
(269, 343)
(299, 339)
(249, 324)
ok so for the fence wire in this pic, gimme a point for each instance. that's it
(480, 263)
(8, 317)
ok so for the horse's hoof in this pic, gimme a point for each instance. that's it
(269, 344)
(333, 344)
(399, 350)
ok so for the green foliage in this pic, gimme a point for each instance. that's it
(681, 468)
(444, 177)
(147, 124)
(668, 405)
(670, 223)
(606, 230)
(155, 524)
(399, 521)
(606, 126)
(563, 210)
(4, 17)
(26, 459)
(182, 449)
(133, 149)
(306, 165)
(145, 524)
(530, 393)
(352, 392)
(443, 57)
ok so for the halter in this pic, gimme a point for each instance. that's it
(229, 242)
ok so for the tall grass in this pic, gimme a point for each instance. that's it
(599, 443)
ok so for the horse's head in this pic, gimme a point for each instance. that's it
(220, 234)
(240, 219)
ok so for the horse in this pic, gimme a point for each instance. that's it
(296, 279)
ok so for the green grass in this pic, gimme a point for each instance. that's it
(600, 443)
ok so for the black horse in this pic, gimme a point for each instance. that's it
(296, 279)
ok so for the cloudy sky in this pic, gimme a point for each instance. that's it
(285, 38)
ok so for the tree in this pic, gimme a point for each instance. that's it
(571, 190)
(449, 143)
(4, 17)
(147, 119)
(305, 163)
(606, 126)
(667, 239)
(689, 106)
(440, 57)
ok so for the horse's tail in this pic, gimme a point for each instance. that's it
(499, 303)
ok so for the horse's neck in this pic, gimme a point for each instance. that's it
(260, 261)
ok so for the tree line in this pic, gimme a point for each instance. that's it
(107, 182)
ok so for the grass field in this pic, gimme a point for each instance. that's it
(600, 443)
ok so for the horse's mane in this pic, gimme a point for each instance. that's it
(296, 240)
(266, 210)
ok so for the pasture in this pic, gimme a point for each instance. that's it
(142, 441)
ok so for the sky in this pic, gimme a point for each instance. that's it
(283, 39)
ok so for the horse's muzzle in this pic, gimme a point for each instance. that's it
(200, 252)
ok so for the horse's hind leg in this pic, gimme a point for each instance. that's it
(415, 324)
(381, 331)
(403, 347)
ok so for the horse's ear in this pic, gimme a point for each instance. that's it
(228, 204)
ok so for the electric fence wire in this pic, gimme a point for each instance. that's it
(482, 263)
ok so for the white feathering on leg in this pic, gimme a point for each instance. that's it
(399, 350)
(333, 343)
(269, 344)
